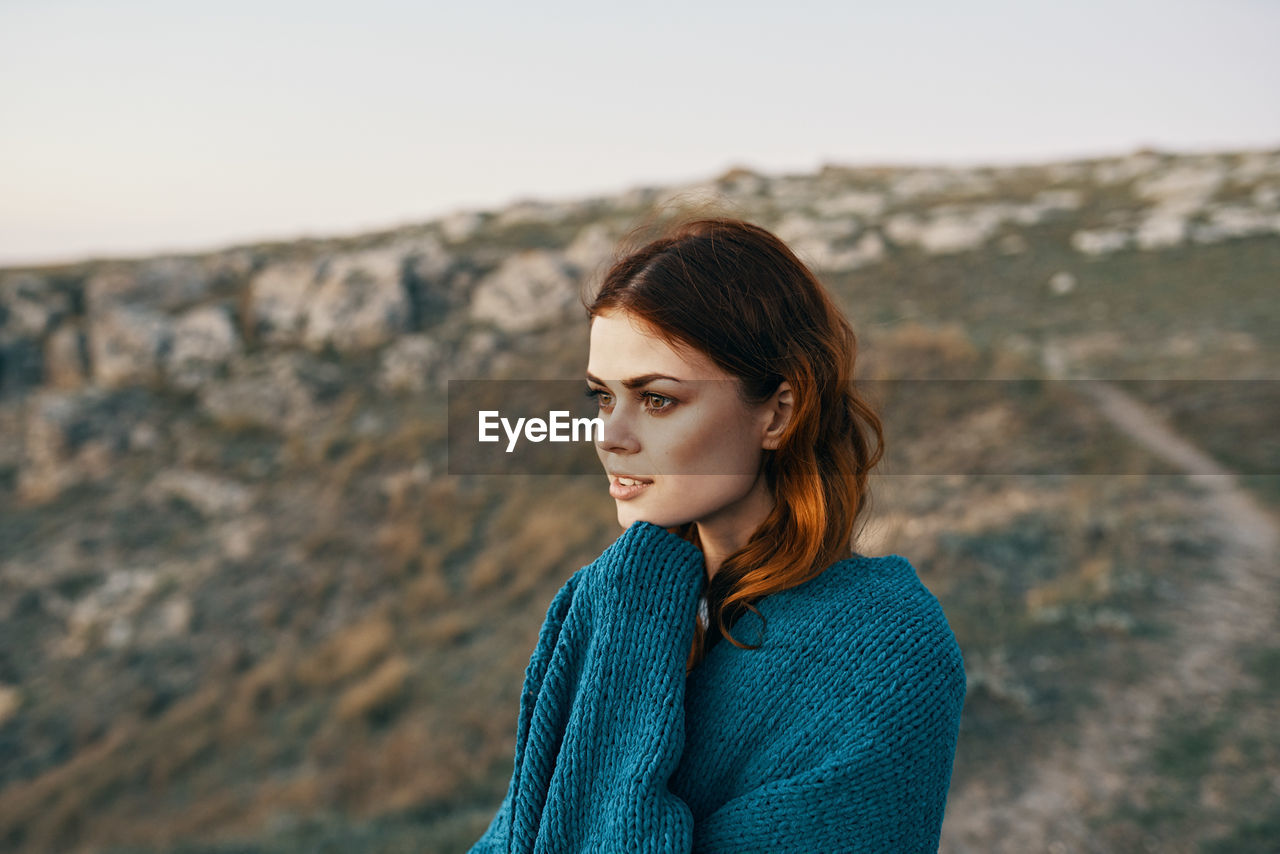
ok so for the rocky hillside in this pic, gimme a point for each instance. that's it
(243, 605)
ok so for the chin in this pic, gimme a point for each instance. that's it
(628, 515)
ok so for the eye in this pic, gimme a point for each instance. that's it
(602, 397)
(656, 402)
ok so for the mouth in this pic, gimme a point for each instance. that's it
(626, 487)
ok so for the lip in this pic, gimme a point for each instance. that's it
(626, 493)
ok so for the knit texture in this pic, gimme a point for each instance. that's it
(837, 734)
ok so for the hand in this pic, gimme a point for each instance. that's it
(648, 555)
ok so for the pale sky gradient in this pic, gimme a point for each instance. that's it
(133, 127)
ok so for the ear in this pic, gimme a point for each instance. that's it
(778, 411)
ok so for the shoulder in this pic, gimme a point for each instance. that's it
(861, 651)
(863, 593)
(872, 618)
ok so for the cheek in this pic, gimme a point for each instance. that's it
(704, 493)
(706, 447)
(692, 498)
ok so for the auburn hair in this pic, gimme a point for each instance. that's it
(737, 293)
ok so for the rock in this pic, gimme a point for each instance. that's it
(855, 202)
(239, 536)
(1183, 188)
(113, 605)
(1266, 195)
(528, 290)
(1059, 200)
(797, 227)
(1254, 165)
(1161, 228)
(811, 239)
(127, 344)
(1062, 282)
(868, 250)
(1100, 241)
(1061, 173)
(476, 355)
(913, 183)
(461, 225)
(30, 306)
(359, 302)
(434, 281)
(410, 364)
(427, 257)
(791, 191)
(278, 297)
(1043, 205)
(174, 617)
(904, 228)
(741, 181)
(73, 436)
(285, 392)
(162, 284)
(1231, 221)
(353, 301)
(948, 229)
(821, 255)
(204, 339)
(1179, 194)
(591, 249)
(66, 358)
(955, 233)
(635, 198)
(144, 437)
(210, 495)
(1124, 169)
(21, 365)
(532, 211)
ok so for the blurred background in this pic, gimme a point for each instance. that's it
(244, 606)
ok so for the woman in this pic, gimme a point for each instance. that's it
(738, 453)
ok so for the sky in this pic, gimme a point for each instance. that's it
(131, 128)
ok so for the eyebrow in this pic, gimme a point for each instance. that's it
(635, 382)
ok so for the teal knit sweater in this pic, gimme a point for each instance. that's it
(837, 734)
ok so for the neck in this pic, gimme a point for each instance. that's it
(722, 535)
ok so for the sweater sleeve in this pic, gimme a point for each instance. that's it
(497, 838)
(601, 725)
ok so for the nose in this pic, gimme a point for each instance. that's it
(617, 436)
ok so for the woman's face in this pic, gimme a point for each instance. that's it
(674, 422)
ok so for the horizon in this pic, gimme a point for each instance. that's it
(219, 246)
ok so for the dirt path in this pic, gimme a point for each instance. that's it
(1220, 616)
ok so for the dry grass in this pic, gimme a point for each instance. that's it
(263, 687)
(918, 351)
(376, 692)
(351, 650)
(1091, 582)
(447, 628)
